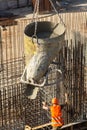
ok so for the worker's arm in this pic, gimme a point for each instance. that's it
(45, 106)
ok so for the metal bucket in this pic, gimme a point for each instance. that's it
(43, 49)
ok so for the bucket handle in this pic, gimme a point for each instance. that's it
(45, 79)
(34, 84)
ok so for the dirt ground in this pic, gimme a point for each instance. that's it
(66, 6)
(78, 5)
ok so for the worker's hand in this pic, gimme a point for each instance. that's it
(44, 103)
(44, 106)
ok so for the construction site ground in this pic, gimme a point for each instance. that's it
(66, 6)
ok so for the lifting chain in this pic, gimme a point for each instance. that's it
(35, 19)
(57, 12)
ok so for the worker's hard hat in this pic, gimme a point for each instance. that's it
(54, 101)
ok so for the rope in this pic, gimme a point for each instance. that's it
(57, 12)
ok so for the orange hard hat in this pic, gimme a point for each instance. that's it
(54, 101)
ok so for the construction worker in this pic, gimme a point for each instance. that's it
(56, 113)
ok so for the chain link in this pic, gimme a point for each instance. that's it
(35, 19)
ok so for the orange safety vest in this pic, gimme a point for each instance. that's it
(56, 114)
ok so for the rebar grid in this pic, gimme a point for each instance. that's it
(15, 109)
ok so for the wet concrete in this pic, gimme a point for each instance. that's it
(31, 91)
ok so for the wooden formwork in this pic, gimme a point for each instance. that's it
(15, 109)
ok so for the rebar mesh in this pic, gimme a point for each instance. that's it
(16, 109)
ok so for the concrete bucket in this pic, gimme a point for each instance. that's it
(40, 50)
